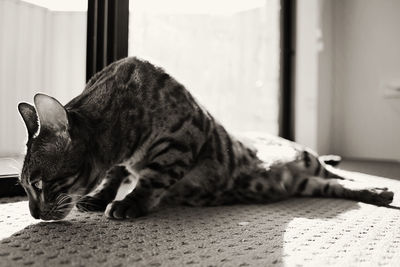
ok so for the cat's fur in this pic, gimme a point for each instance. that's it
(133, 119)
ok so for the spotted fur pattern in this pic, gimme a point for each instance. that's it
(133, 120)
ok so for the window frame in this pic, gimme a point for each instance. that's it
(287, 61)
(107, 33)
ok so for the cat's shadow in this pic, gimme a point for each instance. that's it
(237, 235)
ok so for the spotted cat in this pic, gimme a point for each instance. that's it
(133, 120)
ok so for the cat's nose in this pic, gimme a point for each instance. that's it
(35, 211)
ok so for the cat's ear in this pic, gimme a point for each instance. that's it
(52, 114)
(28, 114)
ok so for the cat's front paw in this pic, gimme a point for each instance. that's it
(89, 203)
(122, 209)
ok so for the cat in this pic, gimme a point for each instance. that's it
(133, 120)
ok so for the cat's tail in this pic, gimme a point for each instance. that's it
(328, 167)
(332, 160)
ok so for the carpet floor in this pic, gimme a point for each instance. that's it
(296, 232)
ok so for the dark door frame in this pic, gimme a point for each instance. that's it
(288, 53)
(107, 33)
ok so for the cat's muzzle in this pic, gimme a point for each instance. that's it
(57, 211)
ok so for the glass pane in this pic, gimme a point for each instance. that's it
(226, 52)
(42, 49)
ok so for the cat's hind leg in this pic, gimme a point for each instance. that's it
(322, 187)
(106, 192)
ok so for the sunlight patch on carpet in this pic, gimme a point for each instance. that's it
(14, 217)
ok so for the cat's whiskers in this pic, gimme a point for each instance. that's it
(62, 198)
(60, 206)
(68, 204)
(72, 202)
(51, 211)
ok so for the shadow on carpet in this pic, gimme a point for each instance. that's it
(299, 231)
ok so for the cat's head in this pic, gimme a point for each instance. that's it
(54, 160)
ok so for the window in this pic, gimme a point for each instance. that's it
(226, 52)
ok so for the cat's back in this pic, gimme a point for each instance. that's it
(128, 73)
(131, 81)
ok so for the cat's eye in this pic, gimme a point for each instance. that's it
(38, 185)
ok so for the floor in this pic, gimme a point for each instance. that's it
(389, 169)
(297, 232)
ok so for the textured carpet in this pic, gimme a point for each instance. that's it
(301, 231)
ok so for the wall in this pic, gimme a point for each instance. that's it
(366, 57)
(41, 51)
(306, 71)
(347, 50)
(325, 77)
(313, 75)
